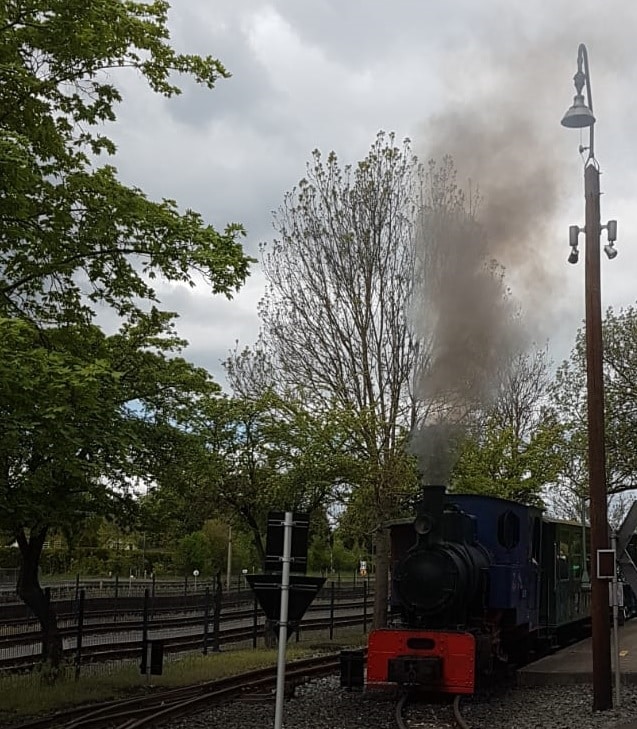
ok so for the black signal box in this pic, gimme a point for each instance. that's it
(274, 542)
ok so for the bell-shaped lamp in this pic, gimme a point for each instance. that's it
(579, 115)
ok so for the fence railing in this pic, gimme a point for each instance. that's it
(119, 587)
(99, 629)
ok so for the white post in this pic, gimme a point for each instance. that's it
(614, 584)
(283, 619)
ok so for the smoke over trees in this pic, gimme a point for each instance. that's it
(385, 303)
(514, 447)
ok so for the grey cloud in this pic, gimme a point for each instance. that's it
(455, 76)
(246, 95)
(511, 148)
(213, 325)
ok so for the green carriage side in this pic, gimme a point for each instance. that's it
(565, 594)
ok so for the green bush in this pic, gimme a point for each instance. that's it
(9, 557)
(96, 561)
(54, 562)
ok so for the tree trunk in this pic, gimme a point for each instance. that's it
(30, 591)
(257, 540)
(381, 581)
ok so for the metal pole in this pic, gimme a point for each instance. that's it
(144, 666)
(116, 598)
(255, 619)
(585, 576)
(206, 620)
(216, 618)
(365, 606)
(229, 562)
(602, 689)
(80, 632)
(332, 599)
(283, 619)
(615, 604)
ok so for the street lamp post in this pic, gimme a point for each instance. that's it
(580, 115)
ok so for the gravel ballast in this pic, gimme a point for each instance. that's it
(322, 704)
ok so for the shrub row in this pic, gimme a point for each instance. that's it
(98, 561)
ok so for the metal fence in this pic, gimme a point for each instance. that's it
(8, 576)
(119, 587)
(100, 632)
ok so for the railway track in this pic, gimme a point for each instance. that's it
(410, 713)
(146, 711)
(22, 632)
(22, 628)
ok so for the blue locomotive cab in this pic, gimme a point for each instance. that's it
(512, 533)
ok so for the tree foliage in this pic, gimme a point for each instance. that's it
(336, 315)
(246, 456)
(206, 550)
(619, 330)
(78, 407)
(515, 448)
(71, 235)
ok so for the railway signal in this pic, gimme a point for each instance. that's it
(280, 592)
(301, 592)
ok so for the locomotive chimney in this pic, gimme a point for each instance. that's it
(428, 522)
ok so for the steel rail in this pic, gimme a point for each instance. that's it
(187, 618)
(143, 710)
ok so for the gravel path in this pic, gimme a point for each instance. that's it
(322, 704)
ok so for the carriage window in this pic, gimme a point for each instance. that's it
(576, 556)
(508, 530)
(563, 561)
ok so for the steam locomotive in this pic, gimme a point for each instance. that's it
(477, 580)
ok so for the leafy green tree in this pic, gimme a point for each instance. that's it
(193, 553)
(328, 554)
(619, 331)
(71, 235)
(78, 409)
(181, 497)
(319, 554)
(247, 456)
(499, 463)
(216, 534)
(620, 368)
(207, 550)
(515, 450)
(336, 315)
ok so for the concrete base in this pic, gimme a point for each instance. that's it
(574, 664)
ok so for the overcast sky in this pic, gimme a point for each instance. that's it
(485, 80)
